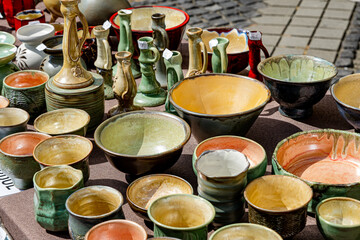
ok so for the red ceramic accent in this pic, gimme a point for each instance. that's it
(26, 79)
(254, 55)
(22, 144)
(24, 17)
(12, 7)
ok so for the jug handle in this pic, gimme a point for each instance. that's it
(265, 51)
(85, 31)
(156, 54)
(205, 57)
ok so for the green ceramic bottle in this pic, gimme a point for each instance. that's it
(219, 59)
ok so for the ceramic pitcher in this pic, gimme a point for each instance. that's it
(219, 59)
(197, 65)
(255, 45)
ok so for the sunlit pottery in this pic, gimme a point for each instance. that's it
(347, 101)
(139, 142)
(219, 104)
(63, 121)
(16, 159)
(90, 206)
(6, 37)
(339, 218)
(143, 191)
(163, 238)
(71, 150)
(279, 203)
(4, 102)
(237, 51)
(117, 230)
(7, 53)
(53, 185)
(297, 82)
(246, 231)
(28, 16)
(12, 120)
(181, 216)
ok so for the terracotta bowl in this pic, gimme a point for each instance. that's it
(63, 121)
(278, 202)
(7, 53)
(143, 191)
(4, 102)
(6, 37)
(339, 218)
(72, 150)
(347, 100)
(219, 104)
(237, 51)
(139, 142)
(12, 120)
(27, 16)
(327, 160)
(297, 82)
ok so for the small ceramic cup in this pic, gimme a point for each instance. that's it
(90, 206)
(12, 120)
(339, 218)
(181, 216)
(53, 185)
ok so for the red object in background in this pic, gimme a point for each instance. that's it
(255, 45)
(12, 7)
(22, 22)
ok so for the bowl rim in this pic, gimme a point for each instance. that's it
(8, 35)
(12, 54)
(295, 55)
(16, 109)
(26, 88)
(50, 30)
(338, 100)
(101, 127)
(187, 18)
(311, 183)
(27, 11)
(260, 106)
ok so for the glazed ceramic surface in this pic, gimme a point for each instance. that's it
(53, 185)
(197, 52)
(278, 202)
(28, 16)
(154, 140)
(145, 190)
(54, 8)
(12, 120)
(6, 37)
(219, 104)
(297, 82)
(7, 53)
(327, 160)
(255, 48)
(181, 216)
(11, 8)
(4, 102)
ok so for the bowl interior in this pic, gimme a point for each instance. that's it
(21, 144)
(219, 94)
(122, 229)
(6, 38)
(237, 40)
(34, 31)
(30, 14)
(324, 157)
(58, 177)
(25, 79)
(54, 43)
(7, 53)
(340, 211)
(12, 116)
(297, 68)
(346, 90)
(245, 231)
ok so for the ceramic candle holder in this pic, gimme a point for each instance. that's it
(12, 120)
(181, 216)
(28, 16)
(6, 37)
(143, 191)
(71, 150)
(90, 206)
(16, 159)
(278, 202)
(53, 185)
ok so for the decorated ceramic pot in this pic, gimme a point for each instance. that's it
(29, 16)
(12, 120)
(7, 53)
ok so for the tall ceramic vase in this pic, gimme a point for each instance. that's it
(197, 64)
(255, 45)
(219, 59)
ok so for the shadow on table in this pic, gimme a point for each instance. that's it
(64, 234)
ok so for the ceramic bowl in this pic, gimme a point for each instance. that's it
(53, 45)
(4, 102)
(63, 121)
(72, 150)
(143, 191)
(297, 82)
(327, 160)
(347, 101)
(6, 37)
(117, 230)
(339, 218)
(237, 51)
(35, 33)
(16, 159)
(219, 104)
(139, 142)
(244, 231)
(7, 53)
(279, 203)
(28, 16)
(12, 120)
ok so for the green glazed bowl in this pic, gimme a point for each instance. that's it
(6, 37)
(7, 53)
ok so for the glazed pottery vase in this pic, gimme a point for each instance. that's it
(181, 216)
(54, 8)
(124, 86)
(12, 120)
(29, 16)
(7, 53)
(150, 93)
(161, 41)
(16, 159)
(222, 178)
(197, 64)
(90, 206)
(219, 60)
(12, 7)
(53, 185)
(174, 74)
(31, 36)
(255, 45)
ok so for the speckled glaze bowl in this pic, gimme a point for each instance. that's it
(139, 142)
(143, 191)
(279, 203)
(219, 104)
(327, 160)
(339, 218)
(12, 120)
(297, 82)
(7, 53)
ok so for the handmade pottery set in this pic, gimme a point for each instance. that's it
(315, 171)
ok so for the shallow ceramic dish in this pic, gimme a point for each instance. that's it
(7, 53)
(6, 37)
(12, 120)
(4, 102)
(219, 104)
(345, 92)
(139, 142)
(339, 218)
(327, 160)
(34, 33)
(237, 51)
(143, 191)
(278, 202)
(297, 82)
(63, 121)
(28, 16)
